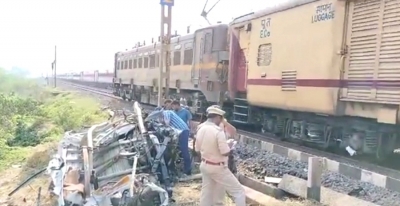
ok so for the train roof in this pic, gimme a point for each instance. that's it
(152, 46)
(270, 10)
(176, 39)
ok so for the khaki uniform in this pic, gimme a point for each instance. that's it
(216, 177)
(219, 191)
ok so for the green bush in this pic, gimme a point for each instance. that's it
(31, 114)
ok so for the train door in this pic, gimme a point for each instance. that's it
(241, 83)
(202, 53)
(241, 58)
(197, 57)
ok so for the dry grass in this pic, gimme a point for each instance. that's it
(14, 176)
(188, 193)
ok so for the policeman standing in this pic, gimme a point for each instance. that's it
(211, 142)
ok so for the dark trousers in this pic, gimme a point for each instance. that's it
(184, 147)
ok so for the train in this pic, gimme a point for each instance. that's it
(321, 72)
(94, 79)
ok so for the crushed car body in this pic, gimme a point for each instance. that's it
(124, 161)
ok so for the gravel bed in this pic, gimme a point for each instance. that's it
(258, 164)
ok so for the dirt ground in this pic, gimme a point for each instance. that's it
(16, 174)
(189, 194)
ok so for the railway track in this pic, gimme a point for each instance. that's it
(358, 169)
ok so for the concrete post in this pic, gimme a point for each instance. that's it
(315, 168)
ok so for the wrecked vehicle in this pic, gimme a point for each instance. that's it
(124, 161)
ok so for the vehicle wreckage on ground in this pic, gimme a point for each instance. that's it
(124, 161)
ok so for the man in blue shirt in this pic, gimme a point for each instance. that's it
(183, 113)
(167, 105)
(170, 118)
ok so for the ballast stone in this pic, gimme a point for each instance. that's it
(257, 163)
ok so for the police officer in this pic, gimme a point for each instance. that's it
(211, 142)
(230, 132)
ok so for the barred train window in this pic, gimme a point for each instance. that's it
(208, 43)
(157, 60)
(140, 63)
(188, 57)
(264, 55)
(177, 57)
(146, 62)
(152, 60)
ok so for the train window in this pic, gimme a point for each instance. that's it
(140, 63)
(118, 65)
(130, 64)
(188, 57)
(177, 58)
(146, 62)
(157, 62)
(207, 43)
(152, 60)
(135, 63)
(122, 65)
(126, 64)
(264, 55)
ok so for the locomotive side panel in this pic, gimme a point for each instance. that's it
(198, 66)
(210, 67)
(298, 62)
(135, 65)
(294, 58)
(181, 62)
(371, 71)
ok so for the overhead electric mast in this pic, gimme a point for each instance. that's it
(205, 13)
(165, 49)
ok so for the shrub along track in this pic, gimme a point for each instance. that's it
(259, 164)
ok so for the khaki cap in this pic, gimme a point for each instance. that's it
(215, 110)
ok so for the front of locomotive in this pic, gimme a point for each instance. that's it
(210, 65)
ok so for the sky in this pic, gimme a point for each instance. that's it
(89, 32)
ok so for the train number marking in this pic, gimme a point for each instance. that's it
(265, 30)
(323, 12)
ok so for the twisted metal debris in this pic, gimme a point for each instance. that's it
(124, 161)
